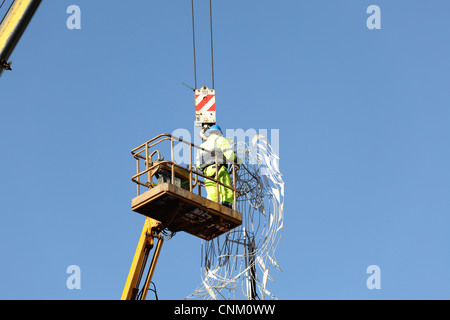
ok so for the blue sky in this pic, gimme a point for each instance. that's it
(363, 121)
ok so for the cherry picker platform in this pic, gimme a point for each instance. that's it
(173, 200)
(181, 210)
(170, 196)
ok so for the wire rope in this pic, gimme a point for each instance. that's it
(211, 42)
(212, 51)
(193, 42)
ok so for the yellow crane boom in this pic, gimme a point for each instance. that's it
(151, 231)
(13, 26)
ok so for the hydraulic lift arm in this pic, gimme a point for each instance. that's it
(13, 26)
(150, 232)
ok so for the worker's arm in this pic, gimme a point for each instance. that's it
(227, 149)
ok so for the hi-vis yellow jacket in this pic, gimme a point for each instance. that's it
(217, 144)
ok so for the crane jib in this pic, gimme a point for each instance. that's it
(12, 27)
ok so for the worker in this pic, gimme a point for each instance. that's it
(206, 162)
